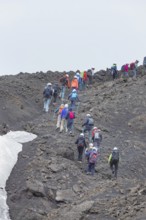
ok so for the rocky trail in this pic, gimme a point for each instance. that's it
(48, 182)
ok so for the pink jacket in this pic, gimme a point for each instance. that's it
(126, 68)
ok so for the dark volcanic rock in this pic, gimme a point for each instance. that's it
(47, 181)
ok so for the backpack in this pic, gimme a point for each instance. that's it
(93, 157)
(132, 66)
(115, 156)
(55, 89)
(89, 73)
(123, 68)
(96, 135)
(81, 142)
(91, 121)
(73, 96)
(63, 81)
(47, 93)
(71, 115)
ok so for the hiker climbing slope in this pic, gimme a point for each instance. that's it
(88, 125)
(73, 97)
(59, 111)
(65, 83)
(114, 161)
(70, 120)
(63, 118)
(81, 145)
(47, 93)
(92, 159)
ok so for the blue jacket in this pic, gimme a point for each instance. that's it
(64, 113)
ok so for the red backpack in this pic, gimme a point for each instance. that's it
(71, 115)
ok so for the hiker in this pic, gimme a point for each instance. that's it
(81, 144)
(88, 151)
(73, 97)
(85, 79)
(59, 111)
(125, 69)
(96, 137)
(114, 161)
(88, 125)
(89, 75)
(114, 71)
(74, 83)
(79, 80)
(65, 83)
(47, 93)
(63, 118)
(70, 120)
(92, 155)
(144, 62)
(133, 68)
(93, 72)
(56, 91)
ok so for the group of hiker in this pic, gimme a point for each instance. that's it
(89, 141)
(126, 69)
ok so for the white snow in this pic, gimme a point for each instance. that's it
(10, 146)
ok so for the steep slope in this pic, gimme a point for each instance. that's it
(48, 182)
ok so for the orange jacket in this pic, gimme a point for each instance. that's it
(60, 110)
(74, 83)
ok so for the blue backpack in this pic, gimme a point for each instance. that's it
(73, 96)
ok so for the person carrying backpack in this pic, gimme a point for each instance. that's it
(114, 161)
(81, 145)
(88, 151)
(93, 156)
(114, 71)
(65, 83)
(85, 79)
(125, 71)
(47, 94)
(79, 80)
(56, 91)
(73, 97)
(96, 137)
(133, 68)
(70, 120)
(89, 75)
(63, 118)
(88, 125)
(74, 83)
(59, 111)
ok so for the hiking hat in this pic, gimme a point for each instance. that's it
(90, 145)
(82, 134)
(49, 84)
(74, 90)
(115, 148)
(77, 73)
(62, 105)
(66, 105)
(67, 75)
(88, 115)
(94, 128)
(94, 148)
